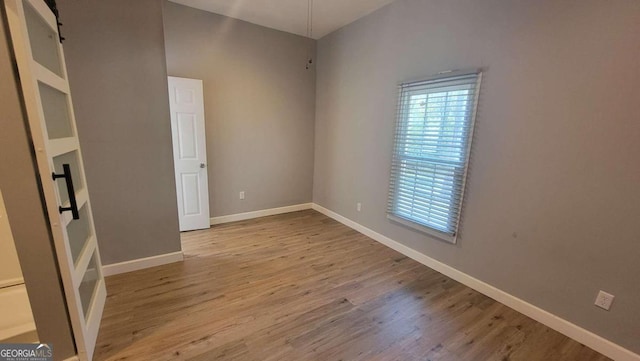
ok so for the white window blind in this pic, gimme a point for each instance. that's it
(431, 150)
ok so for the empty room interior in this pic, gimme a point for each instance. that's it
(320, 180)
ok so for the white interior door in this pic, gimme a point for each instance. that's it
(43, 77)
(189, 152)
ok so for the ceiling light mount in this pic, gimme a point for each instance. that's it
(309, 33)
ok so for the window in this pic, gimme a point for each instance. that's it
(431, 151)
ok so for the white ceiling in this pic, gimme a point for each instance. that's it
(291, 15)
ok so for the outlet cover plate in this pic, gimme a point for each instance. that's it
(604, 300)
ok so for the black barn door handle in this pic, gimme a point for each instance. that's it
(72, 193)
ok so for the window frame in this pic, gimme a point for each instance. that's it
(405, 91)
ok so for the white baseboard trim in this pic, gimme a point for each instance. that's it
(563, 326)
(141, 263)
(260, 213)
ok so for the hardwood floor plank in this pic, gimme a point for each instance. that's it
(300, 286)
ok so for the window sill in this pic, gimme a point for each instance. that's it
(423, 229)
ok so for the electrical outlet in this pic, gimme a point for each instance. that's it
(358, 206)
(242, 195)
(604, 300)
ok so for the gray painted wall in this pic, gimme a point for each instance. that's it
(118, 78)
(26, 213)
(552, 206)
(259, 106)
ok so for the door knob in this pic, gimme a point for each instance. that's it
(202, 165)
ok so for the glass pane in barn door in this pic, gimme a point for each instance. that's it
(48, 103)
(89, 284)
(79, 233)
(43, 40)
(56, 112)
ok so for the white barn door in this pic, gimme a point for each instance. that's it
(189, 152)
(45, 89)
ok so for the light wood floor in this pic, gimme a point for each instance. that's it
(301, 286)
